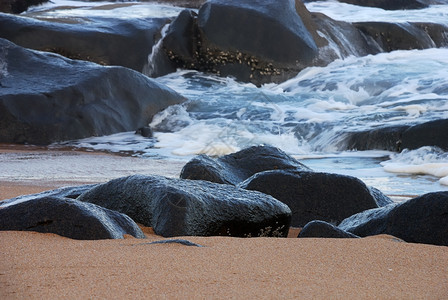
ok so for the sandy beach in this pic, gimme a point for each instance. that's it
(35, 265)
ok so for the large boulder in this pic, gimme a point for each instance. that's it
(71, 99)
(106, 41)
(420, 220)
(67, 217)
(237, 167)
(176, 207)
(256, 42)
(314, 196)
(321, 229)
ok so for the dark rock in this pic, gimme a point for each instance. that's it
(420, 220)
(72, 99)
(389, 4)
(237, 167)
(380, 199)
(396, 36)
(397, 138)
(314, 196)
(144, 131)
(437, 32)
(18, 6)
(176, 207)
(176, 241)
(255, 42)
(71, 192)
(321, 229)
(432, 133)
(67, 217)
(105, 41)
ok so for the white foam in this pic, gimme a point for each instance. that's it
(426, 160)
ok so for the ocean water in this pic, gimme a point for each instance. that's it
(308, 115)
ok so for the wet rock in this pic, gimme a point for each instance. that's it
(18, 6)
(237, 167)
(176, 207)
(106, 41)
(396, 36)
(72, 99)
(255, 43)
(397, 138)
(314, 196)
(67, 217)
(420, 220)
(321, 229)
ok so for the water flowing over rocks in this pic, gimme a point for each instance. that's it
(314, 196)
(18, 6)
(106, 41)
(67, 217)
(420, 220)
(237, 167)
(72, 99)
(321, 229)
(177, 207)
(389, 4)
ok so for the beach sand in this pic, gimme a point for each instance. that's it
(35, 265)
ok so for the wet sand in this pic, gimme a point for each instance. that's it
(36, 265)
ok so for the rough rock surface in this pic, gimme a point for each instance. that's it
(237, 167)
(321, 229)
(71, 99)
(67, 217)
(18, 6)
(420, 220)
(176, 207)
(106, 41)
(314, 196)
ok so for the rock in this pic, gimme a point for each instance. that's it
(420, 220)
(72, 99)
(432, 133)
(437, 32)
(71, 192)
(18, 6)
(397, 138)
(321, 229)
(67, 217)
(145, 131)
(176, 207)
(314, 196)
(257, 42)
(237, 167)
(389, 4)
(396, 36)
(106, 41)
(380, 199)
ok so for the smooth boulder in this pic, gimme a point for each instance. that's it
(177, 207)
(237, 167)
(67, 217)
(314, 196)
(420, 220)
(321, 229)
(72, 99)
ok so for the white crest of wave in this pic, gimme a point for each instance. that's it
(425, 160)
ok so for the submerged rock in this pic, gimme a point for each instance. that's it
(67, 217)
(321, 229)
(176, 207)
(72, 99)
(237, 167)
(420, 220)
(314, 196)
